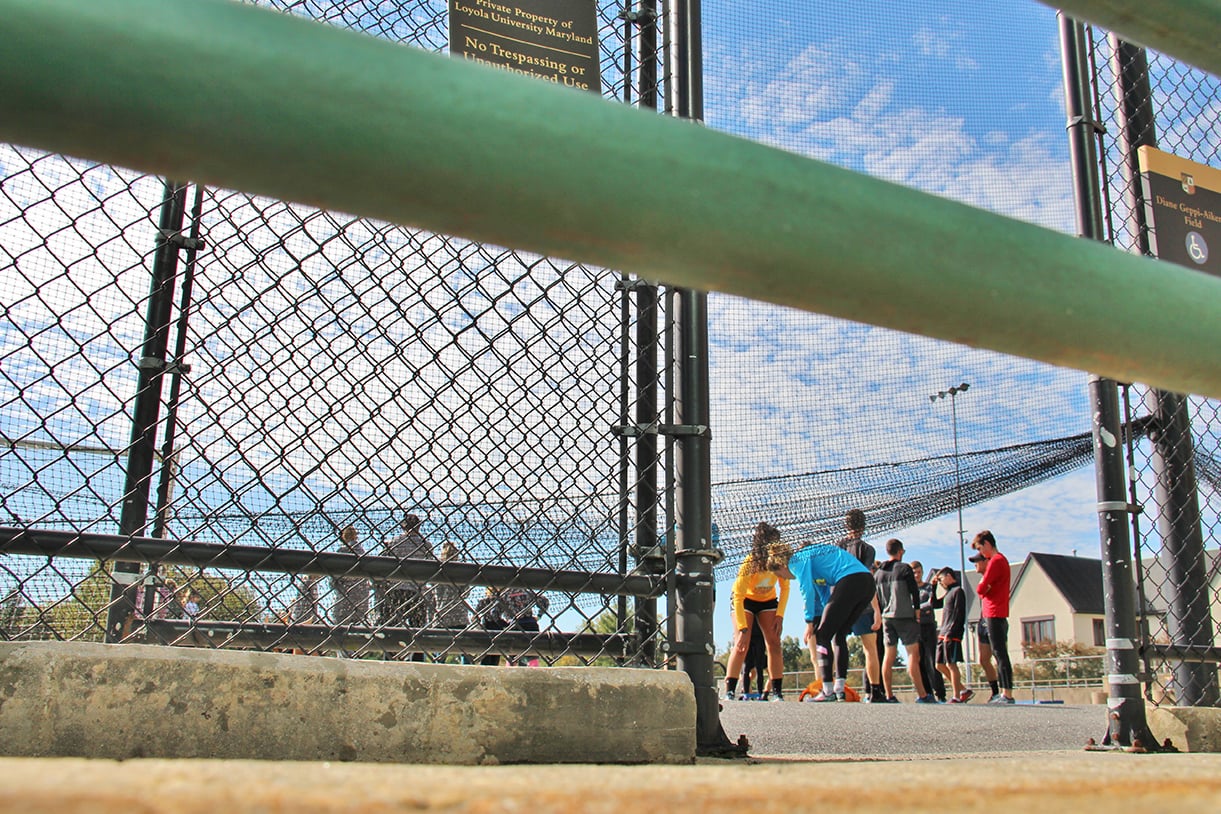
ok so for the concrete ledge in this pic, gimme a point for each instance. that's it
(1192, 729)
(122, 701)
(1049, 783)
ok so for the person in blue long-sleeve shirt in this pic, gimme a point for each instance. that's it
(849, 590)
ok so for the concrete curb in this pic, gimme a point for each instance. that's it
(62, 699)
(1049, 783)
(1192, 729)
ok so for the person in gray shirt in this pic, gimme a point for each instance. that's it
(351, 593)
(447, 602)
(899, 596)
(404, 602)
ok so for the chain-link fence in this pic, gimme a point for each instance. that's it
(182, 463)
(336, 435)
(1144, 99)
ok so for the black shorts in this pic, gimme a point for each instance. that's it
(863, 625)
(949, 651)
(981, 632)
(906, 631)
(756, 607)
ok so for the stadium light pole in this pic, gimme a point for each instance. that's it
(962, 543)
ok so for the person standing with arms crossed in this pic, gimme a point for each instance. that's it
(993, 590)
(949, 636)
(759, 593)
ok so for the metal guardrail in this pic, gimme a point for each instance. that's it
(715, 204)
(325, 638)
(1185, 29)
(84, 545)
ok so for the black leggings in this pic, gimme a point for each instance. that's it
(998, 635)
(849, 598)
(841, 654)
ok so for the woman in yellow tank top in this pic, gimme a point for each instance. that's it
(759, 594)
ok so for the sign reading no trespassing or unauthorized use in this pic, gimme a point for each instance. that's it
(552, 39)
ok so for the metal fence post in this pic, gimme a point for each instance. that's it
(1126, 707)
(696, 558)
(1171, 456)
(146, 406)
(169, 462)
(648, 546)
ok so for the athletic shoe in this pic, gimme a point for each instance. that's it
(840, 696)
(1000, 700)
(957, 701)
(965, 696)
(730, 696)
(927, 699)
(892, 700)
(823, 697)
(1006, 700)
(776, 697)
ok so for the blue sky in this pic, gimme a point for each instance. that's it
(959, 99)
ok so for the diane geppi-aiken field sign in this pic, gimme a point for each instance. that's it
(553, 39)
(1183, 207)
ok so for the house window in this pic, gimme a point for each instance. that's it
(1100, 633)
(1039, 630)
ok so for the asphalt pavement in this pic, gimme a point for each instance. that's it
(909, 730)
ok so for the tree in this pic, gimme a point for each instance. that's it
(81, 614)
(1062, 661)
(12, 615)
(221, 599)
(796, 655)
(605, 624)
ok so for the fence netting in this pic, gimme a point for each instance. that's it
(324, 372)
(326, 379)
(1174, 463)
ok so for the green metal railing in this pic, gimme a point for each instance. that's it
(279, 106)
(1185, 29)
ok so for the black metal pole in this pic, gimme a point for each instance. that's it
(1126, 722)
(622, 519)
(165, 482)
(625, 287)
(1130, 432)
(696, 558)
(1189, 621)
(962, 542)
(169, 463)
(647, 546)
(146, 406)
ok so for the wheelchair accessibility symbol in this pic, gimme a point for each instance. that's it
(1197, 249)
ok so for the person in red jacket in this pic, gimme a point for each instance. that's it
(993, 590)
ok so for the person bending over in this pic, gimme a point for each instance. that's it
(850, 590)
(759, 593)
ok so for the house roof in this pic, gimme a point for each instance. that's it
(1078, 579)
